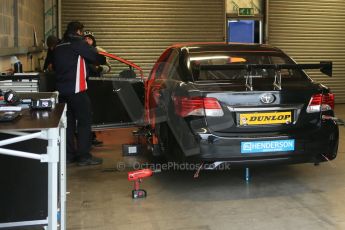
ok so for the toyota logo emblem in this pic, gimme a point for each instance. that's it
(267, 98)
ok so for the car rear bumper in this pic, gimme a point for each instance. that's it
(316, 146)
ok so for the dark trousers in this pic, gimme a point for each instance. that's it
(79, 121)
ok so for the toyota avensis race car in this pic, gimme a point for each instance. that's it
(240, 104)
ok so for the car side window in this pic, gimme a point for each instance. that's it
(171, 69)
(158, 69)
(167, 67)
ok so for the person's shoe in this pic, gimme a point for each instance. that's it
(97, 143)
(90, 161)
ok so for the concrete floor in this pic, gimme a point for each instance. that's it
(286, 197)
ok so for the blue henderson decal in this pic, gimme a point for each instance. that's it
(267, 146)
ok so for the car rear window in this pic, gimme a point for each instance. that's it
(241, 58)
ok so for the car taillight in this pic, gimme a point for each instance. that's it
(321, 102)
(327, 102)
(197, 106)
(212, 107)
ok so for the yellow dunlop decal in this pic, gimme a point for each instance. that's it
(265, 118)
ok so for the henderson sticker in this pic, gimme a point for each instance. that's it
(265, 118)
(268, 146)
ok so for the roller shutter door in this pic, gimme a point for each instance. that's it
(311, 31)
(140, 30)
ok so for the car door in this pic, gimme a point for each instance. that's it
(117, 97)
(154, 86)
(164, 82)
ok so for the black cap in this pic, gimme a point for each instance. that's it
(88, 33)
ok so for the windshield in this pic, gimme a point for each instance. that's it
(241, 58)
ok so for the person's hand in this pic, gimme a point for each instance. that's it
(50, 68)
(99, 69)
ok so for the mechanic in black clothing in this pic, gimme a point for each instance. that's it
(70, 57)
(95, 71)
(48, 62)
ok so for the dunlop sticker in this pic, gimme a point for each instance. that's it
(265, 118)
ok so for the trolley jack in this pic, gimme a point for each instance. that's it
(138, 176)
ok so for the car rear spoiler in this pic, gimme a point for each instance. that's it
(324, 66)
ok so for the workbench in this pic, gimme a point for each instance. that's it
(33, 169)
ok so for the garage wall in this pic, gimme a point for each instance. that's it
(139, 30)
(18, 21)
(7, 24)
(311, 31)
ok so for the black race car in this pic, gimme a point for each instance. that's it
(238, 103)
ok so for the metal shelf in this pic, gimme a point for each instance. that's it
(19, 50)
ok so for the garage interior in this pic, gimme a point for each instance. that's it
(275, 197)
(300, 196)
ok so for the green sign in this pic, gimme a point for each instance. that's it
(245, 11)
